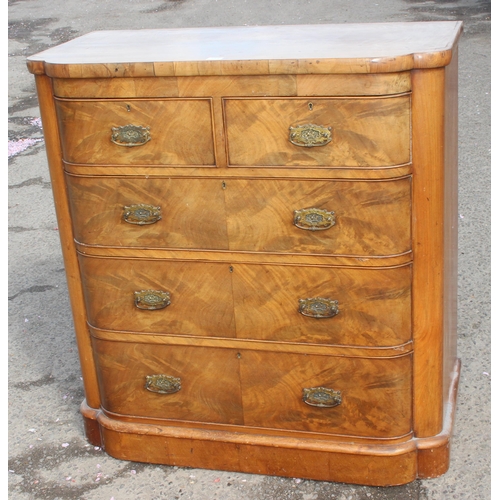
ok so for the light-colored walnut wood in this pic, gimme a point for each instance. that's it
(201, 299)
(374, 304)
(258, 131)
(217, 86)
(54, 157)
(372, 218)
(241, 172)
(234, 263)
(181, 131)
(271, 389)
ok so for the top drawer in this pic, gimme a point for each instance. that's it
(334, 132)
(137, 131)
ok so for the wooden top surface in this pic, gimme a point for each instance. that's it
(324, 48)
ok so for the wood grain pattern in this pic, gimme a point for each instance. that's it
(240, 172)
(252, 50)
(217, 86)
(249, 343)
(374, 305)
(181, 131)
(372, 218)
(54, 157)
(428, 240)
(376, 399)
(201, 299)
(365, 131)
(253, 302)
(376, 394)
(193, 212)
(210, 388)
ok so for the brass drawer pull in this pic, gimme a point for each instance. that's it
(141, 214)
(151, 299)
(130, 135)
(310, 135)
(163, 384)
(313, 219)
(321, 397)
(318, 307)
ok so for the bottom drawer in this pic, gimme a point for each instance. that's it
(291, 391)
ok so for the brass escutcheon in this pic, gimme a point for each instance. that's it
(310, 135)
(318, 307)
(151, 299)
(130, 135)
(163, 384)
(313, 219)
(321, 397)
(141, 214)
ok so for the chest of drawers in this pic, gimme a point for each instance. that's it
(259, 231)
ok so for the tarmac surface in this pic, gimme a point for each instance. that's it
(49, 457)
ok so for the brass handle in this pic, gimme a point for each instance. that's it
(321, 397)
(163, 384)
(318, 307)
(130, 135)
(151, 299)
(310, 135)
(313, 219)
(141, 214)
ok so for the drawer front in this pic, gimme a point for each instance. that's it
(321, 305)
(370, 218)
(138, 212)
(338, 395)
(338, 306)
(186, 383)
(199, 300)
(335, 132)
(371, 397)
(137, 132)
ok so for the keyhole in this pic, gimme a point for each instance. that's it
(128, 107)
(311, 106)
(223, 184)
(238, 355)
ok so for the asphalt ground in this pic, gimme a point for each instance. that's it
(48, 455)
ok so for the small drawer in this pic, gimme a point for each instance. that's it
(136, 132)
(169, 382)
(158, 296)
(330, 132)
(323, 305)
(148, 213)
(330, 394)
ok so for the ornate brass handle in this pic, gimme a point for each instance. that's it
(313, 219)
(163, 384)
(141, 214)
(318, 307)
(130, 135)
(321, 397)
(151, 299)
(310, 135)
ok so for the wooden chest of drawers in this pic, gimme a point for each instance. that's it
(259, 227)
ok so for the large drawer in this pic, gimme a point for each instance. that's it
(323, 305)
(370, 218)
(137, 132)
(329, 394)
(338, 132)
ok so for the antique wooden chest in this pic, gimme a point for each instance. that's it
(259, 228)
